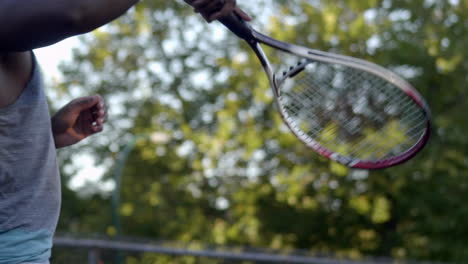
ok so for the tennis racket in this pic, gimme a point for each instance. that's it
(346, 109)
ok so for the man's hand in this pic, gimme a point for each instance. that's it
(78, 120)
(215, 9)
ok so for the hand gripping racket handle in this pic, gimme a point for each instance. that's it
(238, 26)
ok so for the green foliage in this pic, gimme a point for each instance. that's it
(227, 171)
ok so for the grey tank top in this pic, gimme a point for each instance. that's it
(29, 177)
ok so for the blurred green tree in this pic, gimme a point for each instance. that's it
(222, 169)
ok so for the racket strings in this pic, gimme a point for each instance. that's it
(367, 147)
(314, 96)
(411, 118)
(311, 92)
(357, 146)
(345, 108)
(308, 94)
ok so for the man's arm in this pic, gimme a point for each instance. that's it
(30, 24)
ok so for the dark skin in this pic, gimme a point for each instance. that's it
(213, 10)
(78, 120)
(31, 24)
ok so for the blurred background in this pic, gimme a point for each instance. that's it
(195, 155)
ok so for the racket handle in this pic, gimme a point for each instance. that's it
(237, 25)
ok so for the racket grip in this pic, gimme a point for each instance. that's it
(237, 25)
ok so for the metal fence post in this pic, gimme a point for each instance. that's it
(93, 256)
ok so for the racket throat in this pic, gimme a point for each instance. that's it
(292, 72)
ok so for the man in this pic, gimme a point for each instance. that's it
(29, 179)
